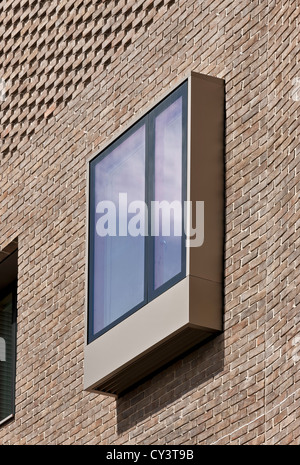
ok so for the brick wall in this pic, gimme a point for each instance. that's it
(74, 72)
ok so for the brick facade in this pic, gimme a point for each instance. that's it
(74, 72)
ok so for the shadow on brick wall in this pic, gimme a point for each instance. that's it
(180, 386)
(176, 385)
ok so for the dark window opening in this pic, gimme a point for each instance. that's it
(8, 323)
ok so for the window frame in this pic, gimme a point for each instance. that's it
(148, 119)
(91, 255)
(12, 288)
(180, 91)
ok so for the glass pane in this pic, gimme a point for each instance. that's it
(168, 189)
(119, 257)
(6, 357)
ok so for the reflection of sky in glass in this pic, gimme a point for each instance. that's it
(119, 261)
(168, 186)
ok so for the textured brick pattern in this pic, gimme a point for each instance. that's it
(74, 72)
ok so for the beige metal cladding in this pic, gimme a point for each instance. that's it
(192, 310)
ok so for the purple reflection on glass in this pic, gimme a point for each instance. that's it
(119, 260)
(168, 186)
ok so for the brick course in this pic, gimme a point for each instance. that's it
(76, 72)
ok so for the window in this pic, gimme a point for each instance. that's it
(7, 353)
(8, 314)
(155, 273)
(137, 190)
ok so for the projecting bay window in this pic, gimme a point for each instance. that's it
(153, 292)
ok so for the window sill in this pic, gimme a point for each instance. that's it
(10, 417)
(173, 323)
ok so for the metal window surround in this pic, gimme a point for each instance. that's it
(191, 311)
